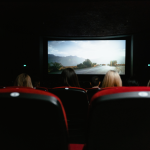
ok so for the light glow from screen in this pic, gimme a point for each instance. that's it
(97, 51)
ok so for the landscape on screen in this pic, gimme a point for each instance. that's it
(87, 56)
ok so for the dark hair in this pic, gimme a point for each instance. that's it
(95, 80)
(36, 81)
(69, 78)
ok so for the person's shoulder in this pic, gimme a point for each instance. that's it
(95, 87)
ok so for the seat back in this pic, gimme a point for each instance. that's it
(119, 119)
(76, 106)
(91, 92)
(32, 119)
(41, 88)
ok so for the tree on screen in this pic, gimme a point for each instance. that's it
(81, 65)
(54, 66)
(113, 63)
(87, 63)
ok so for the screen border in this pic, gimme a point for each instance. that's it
(44, 54)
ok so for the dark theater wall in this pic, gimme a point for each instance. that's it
(141, 57)
(17, 50)
(23, 23)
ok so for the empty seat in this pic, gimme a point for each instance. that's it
(76, 106)
(32, 119)
(119, 119)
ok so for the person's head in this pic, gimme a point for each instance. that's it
(95, 81)
(36, 81)
(23, 80)
(111, 79)
(69, 78)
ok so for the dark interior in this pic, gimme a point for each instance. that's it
(30, 123)
(76, 107)
(25, 24)
(119, 124)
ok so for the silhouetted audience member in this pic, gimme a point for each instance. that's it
(95, 82)
(36, 81)
(111, 79)
(23, 80)
(69, 78)
(131, 82)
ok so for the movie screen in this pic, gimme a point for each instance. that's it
(87, 56)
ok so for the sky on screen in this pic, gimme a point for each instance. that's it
(88, 49)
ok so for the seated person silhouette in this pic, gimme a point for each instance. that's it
(36, 81)
(69, 78)
(112, 79)
(95, 82)
(23, 80)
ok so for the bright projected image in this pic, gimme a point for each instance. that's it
(87, 56)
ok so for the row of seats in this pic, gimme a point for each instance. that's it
(90, 91)
(76, 114)
(32, 119)
(71, 97)
(116, 118)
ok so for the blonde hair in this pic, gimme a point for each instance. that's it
(111, 79)
(148, 84)
(23, 80)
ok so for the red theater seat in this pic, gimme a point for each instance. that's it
(76, 106)
(119, 119)
(76, 147)
(41, 88)
(32, 119)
